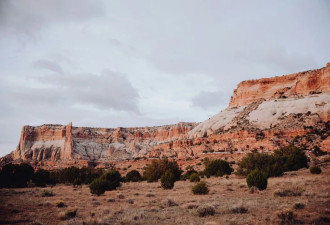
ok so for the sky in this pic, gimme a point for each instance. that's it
(109, 63)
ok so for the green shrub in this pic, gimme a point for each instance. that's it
(70, 174)
(77, 182)
(194, 177)
(98, 186)
(113, 179)
(188, 174)
(41, 178)
(133, 176)
(107, 182)
(269, 164)
(157, 169)
(288, 158)
(15, 176)
(200, 188)
(218, 167)
(258, 179)
(315, 170)
(292, 158)
(167, 180)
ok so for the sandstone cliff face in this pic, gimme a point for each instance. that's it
(38, 143)
(263, 114)
(57, 142)
(293, 85)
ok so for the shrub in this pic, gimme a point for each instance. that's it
(77, 182)
(113, 179)
(167, 180)
(41, 178)
(70, 213)
(286, 217)
(68, 175)
(318, 152)
(188, 174)
(71, 174)
(260, 161)
(206, 210)
(133, 176)
(98, 186)
(200, 188)
(315, 170)
(292, 158)
(157, 169)
(218, 167)
(59, 204)
(47, 193)
(299, 206)
(288, 158)
(194, 177)
(258, 179)
(239, 210)
(15, 176)
(288, 192)
(120, 196)
(168, 203)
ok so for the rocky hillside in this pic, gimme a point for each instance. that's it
(263, 114)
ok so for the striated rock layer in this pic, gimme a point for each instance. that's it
(57, 142)
(262, 115)
(293, 85)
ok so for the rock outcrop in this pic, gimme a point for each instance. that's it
(262, 115)
(293, 85)
(57, 142)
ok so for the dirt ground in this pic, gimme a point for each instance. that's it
(148, 203)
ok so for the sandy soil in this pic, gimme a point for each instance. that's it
(148, 203)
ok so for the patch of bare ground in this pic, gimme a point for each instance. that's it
(306, 200)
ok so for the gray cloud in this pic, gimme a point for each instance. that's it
(247, 38)
(209, 99)
(107, 91)
(49, 65)
(27, 17)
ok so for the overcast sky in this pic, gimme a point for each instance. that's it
(143, 63)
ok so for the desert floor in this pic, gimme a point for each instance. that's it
(148, 203)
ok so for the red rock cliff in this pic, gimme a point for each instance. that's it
(303, 83)
(57, 142)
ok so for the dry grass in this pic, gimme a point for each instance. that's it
(205, 210)
(289, 192)
(153, 205)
